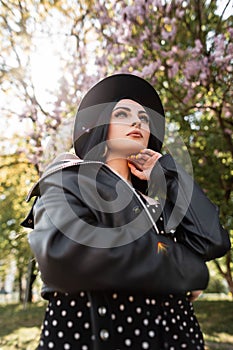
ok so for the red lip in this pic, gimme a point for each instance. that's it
(135, 133)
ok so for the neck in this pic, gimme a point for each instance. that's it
(120, 166)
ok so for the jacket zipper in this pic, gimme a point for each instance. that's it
(70, 163)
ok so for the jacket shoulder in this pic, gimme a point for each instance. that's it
(62, 161)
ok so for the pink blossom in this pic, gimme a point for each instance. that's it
(179, 13)
(228, 131)
(173, 70)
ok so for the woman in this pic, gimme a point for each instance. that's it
(121, 232)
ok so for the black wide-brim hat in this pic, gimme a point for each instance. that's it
(108, 92)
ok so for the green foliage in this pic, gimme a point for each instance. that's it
(16, 175)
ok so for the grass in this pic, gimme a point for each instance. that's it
(20, 328)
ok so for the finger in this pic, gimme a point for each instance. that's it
(148, 151)
(139, 156)
(137, 163)
(138, 173)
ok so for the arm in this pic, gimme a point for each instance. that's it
(188, 209)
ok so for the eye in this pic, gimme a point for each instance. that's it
(144, 118)
(120, 114)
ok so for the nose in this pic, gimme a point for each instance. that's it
(137, 124)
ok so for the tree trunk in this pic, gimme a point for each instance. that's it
(31, 276)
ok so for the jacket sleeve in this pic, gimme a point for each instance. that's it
(187, 210)
(64, 241)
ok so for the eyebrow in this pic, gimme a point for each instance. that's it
(129, 110)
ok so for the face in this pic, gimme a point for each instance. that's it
(129, 130)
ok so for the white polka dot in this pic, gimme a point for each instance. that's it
(120, 329)
(147, 301)
(184, 324)
(137, 331)
(128, 342)
(54, 322)
(172, 311)
(84, 347)
(145, 345)
(58, 302)
(67, 346)
(166, 303)
(69, 324)
(41, 343)
(114, 295)
(72, 303)
(46, 333)
(173, 320)
(88, 304)
(104, 334)
(51, 312)
(76, 335)
(131, 299)
(129, 319)
(153, 301)
(63, 313)
(138, 310)
(86, 325)
(167, 329)
(184, 346)
(122, 307)
(79, 314)
(164, 322)
(81, 294)
(102, 310)
(51, 345)
(146, 322)
(60, 334)
(191, 330)
(46, 322)
(151, 334)
(175, 336)
(113, 316)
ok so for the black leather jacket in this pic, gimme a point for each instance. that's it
(92, 230)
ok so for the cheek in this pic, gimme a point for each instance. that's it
(146, 136)
(115, 131)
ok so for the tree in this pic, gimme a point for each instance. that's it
(15, 182)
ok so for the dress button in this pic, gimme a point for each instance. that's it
(136, 209)
(102, 311)
(104, 334)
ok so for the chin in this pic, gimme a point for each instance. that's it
(125, 147)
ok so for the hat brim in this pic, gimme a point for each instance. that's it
(118, 86)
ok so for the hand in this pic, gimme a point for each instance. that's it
(142, 163)
(194, 294)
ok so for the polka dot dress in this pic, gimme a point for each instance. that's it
(118, 321)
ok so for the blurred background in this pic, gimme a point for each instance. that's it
(52, 52)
